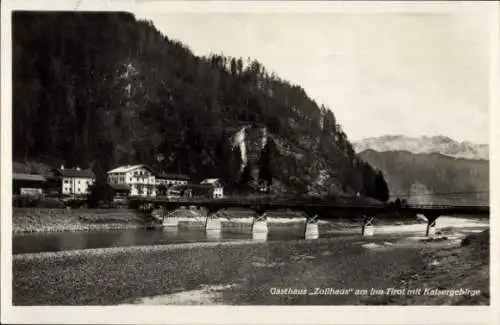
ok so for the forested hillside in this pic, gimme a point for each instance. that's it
(107, 88)
(433, 178)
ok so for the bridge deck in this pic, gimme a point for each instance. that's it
(317, 206)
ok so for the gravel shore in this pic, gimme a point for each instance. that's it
(249, 269)
(30, 220)
(465, 266)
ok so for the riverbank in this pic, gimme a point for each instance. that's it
(464, 267)
(242, 272)
(34, 220)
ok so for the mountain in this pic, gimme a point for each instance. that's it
(106, 89)
(425, 144)
(432, 178)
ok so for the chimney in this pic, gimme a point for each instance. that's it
(62, 166)
(77, 168)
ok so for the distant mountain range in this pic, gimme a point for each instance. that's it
(425, 144)
(430, 170)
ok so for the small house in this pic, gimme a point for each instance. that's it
(216, 185)
(141, 179)
(75, 181)
(170, 185)
(120, 190)
(28, 184)
(199, 191)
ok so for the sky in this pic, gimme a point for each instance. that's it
(412, 74)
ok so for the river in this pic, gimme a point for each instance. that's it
(187, 267)
(60, 241)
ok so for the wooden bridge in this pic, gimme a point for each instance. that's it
(313, 208)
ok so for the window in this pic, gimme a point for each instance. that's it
(66, 181)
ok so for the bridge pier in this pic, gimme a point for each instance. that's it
(431, 225)
(311, 230)
(168, 220)
(212, 223)
(367, 229)
(259, 228)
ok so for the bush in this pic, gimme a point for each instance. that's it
(50, 203)
(25, 201)
(76, 203)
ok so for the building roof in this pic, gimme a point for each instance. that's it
(50, 174)
(84, 173)
(127, 168)
(28, 177)
(180, 177)
(120, 187)
(212, 181)
(196, 186)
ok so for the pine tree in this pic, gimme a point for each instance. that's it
(100, 189)
(368, 181)
(381, 188)
(245, 178)
(265, 168)
(129, 93)
(230, 167)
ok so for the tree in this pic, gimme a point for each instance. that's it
(265, 167)
(162, 189)
(128, 94)
(100, 190)
(234, 68)
(246, 178)
(231, 167)
(368, 181)
(381, 188)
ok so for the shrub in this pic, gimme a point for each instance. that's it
(77, 203)
(50, 203)
(25, 201)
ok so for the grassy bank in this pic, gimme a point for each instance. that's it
(26, 220)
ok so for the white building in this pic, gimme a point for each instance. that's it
(171, 179)
(171, 184)
(141, 179)
(75, 181)
(218, 187)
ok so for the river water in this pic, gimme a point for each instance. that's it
(236, 274)
(60, 241)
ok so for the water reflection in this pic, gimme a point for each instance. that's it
(214, 234)
(78, 241)
(259, 236)
(33, 243)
